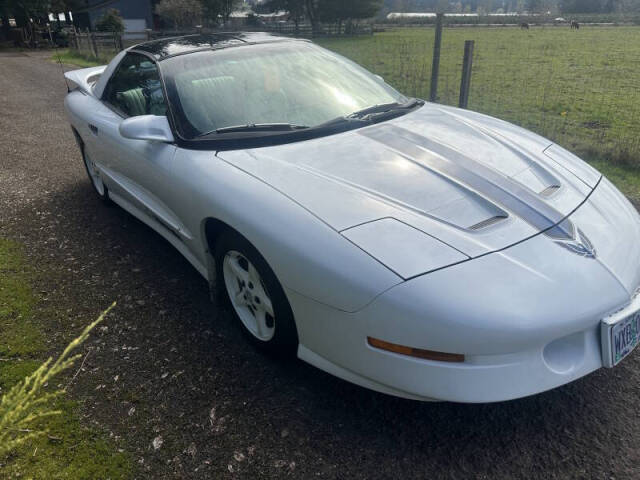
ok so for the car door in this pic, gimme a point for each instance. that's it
(138, 171)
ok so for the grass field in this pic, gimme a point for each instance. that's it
(579, 88)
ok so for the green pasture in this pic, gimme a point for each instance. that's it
(579, 88)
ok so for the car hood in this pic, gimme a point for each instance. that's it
(462, 179)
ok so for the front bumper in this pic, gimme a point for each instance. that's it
(527, 318)
(522, 329)
(341, 339)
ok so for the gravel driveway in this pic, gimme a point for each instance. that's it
(168, 365)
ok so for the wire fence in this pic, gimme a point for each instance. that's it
(580, 89)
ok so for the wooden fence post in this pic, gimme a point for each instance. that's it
(465, 83)
(94, 45)
(435, 66)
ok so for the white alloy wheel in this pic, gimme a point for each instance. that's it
(94, 174)
(249, 296)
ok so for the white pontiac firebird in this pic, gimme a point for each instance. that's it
(411, 248)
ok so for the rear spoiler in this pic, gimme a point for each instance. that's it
(85, 78)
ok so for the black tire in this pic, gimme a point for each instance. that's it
(284, 342)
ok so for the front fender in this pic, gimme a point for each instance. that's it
(307, 255)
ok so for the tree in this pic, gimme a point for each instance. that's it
(24, 10)
(111, 21)
(4, 18)
(358, 9)
(311, 7)
(226, 7)
(339, 10)
(26, 13)
(58, 6)
(211, 9)
(182, 13)
(296, 9)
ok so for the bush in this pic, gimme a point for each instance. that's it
(111, 21)
(181, 13)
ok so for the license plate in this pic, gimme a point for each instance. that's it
(620, 338)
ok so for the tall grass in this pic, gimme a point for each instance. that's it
(27, 402)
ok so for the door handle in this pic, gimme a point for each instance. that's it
(93, 129)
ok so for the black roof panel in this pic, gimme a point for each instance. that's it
(168, 47)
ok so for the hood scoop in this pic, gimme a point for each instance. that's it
(392, 181)
(476, 176)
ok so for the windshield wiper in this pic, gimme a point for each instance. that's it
(362, 117)
(373, 114)
(257, 127)
(365, 113)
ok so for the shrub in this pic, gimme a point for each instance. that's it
(111, 21)
(181, 13)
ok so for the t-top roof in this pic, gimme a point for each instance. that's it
(168, 47)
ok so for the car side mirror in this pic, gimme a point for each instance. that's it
(147, 127)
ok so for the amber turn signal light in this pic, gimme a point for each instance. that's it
(415, 352)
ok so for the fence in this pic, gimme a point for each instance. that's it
(107, 44)
(96, 44)
(580, 88)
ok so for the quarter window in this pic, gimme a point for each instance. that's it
(135, 88)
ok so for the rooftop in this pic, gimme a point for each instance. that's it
(168, 47)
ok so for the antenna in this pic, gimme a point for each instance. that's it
(62, 67)
(60, 61)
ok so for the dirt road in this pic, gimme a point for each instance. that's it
(168, 365)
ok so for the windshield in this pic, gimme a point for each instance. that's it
(295, 83)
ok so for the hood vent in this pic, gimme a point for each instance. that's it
(550, 190)
(488, 222)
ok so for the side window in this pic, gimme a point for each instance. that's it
(134, 88)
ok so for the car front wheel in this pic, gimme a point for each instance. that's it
(256, 297)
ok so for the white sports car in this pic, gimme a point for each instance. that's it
(415, 249)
